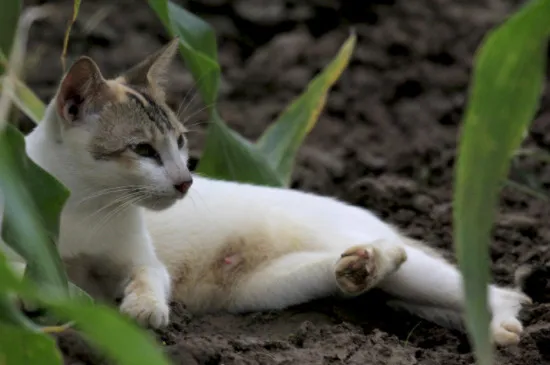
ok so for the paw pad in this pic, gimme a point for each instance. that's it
(354, 269)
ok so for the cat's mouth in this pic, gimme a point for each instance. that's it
(158, 202)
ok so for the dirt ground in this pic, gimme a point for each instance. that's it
(385, 141)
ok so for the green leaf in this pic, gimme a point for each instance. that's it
(79, 294)
(115, 335)
(9, 16)
(281, 141)
(119, 338)
(27, 101)
(11, 315)
(197, 45)
(507, 84)
(33, 200)
(21, 346)
(228, 156)
(10, 284)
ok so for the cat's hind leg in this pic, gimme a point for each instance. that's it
(430, 287)
(291, 279)
(299, 277)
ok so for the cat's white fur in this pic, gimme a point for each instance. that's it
(293, 242)
(240, 247)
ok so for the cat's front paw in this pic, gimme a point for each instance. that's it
(146, 309)
(362, 267)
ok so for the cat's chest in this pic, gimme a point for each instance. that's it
(93, 232)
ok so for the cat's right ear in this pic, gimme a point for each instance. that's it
(81, 91)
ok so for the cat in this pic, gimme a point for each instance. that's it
(139, 226)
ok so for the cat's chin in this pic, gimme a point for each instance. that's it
(158, 202)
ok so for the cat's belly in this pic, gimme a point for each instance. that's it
(214, 239)
(206, 268)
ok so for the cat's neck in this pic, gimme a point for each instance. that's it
(45, 147)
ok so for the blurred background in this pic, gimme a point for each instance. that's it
(386, 140)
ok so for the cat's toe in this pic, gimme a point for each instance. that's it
(398, 256)
(507, 332)
(354, 269)
(147, 310)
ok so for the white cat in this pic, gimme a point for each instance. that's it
(230, 246)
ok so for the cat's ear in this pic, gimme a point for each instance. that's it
(152, 71)
(82, 90)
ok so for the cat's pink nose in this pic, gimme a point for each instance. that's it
(183, 186)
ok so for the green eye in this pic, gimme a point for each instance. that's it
(181, 142)
(145, 150)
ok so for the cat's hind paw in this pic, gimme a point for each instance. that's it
(506, 332)
(362, 267)
(146, 310)
(506, 328)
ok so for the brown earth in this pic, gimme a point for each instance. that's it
(386, 141)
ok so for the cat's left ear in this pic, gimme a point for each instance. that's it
(82, 91)
(152, 71)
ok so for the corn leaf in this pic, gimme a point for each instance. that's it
(507, 83)
(10, 314)
(197, 45)
(22, 346)
(27, 101)
(119, 338)
(228, 156)
(33, 200)
(281, 141)
(9, 16)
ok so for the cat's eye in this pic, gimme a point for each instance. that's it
(181, 142)
(145, 150)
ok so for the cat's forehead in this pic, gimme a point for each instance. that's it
(137, 110)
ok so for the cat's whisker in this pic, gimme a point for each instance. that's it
(193, 114)
(114, 204)
(195, 89)
(192, 191)
(116, 211)
(109, 189)
(193, 131)
(192, 200)
(119, 189)
(192, 88)
(116, 201)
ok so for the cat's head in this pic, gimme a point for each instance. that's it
(120, 134)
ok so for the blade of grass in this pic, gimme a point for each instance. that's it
(536, 153)
(76, 8)
(528, 190)
(9, 15)
(17, 56)
(281, 141)
(507, 83)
